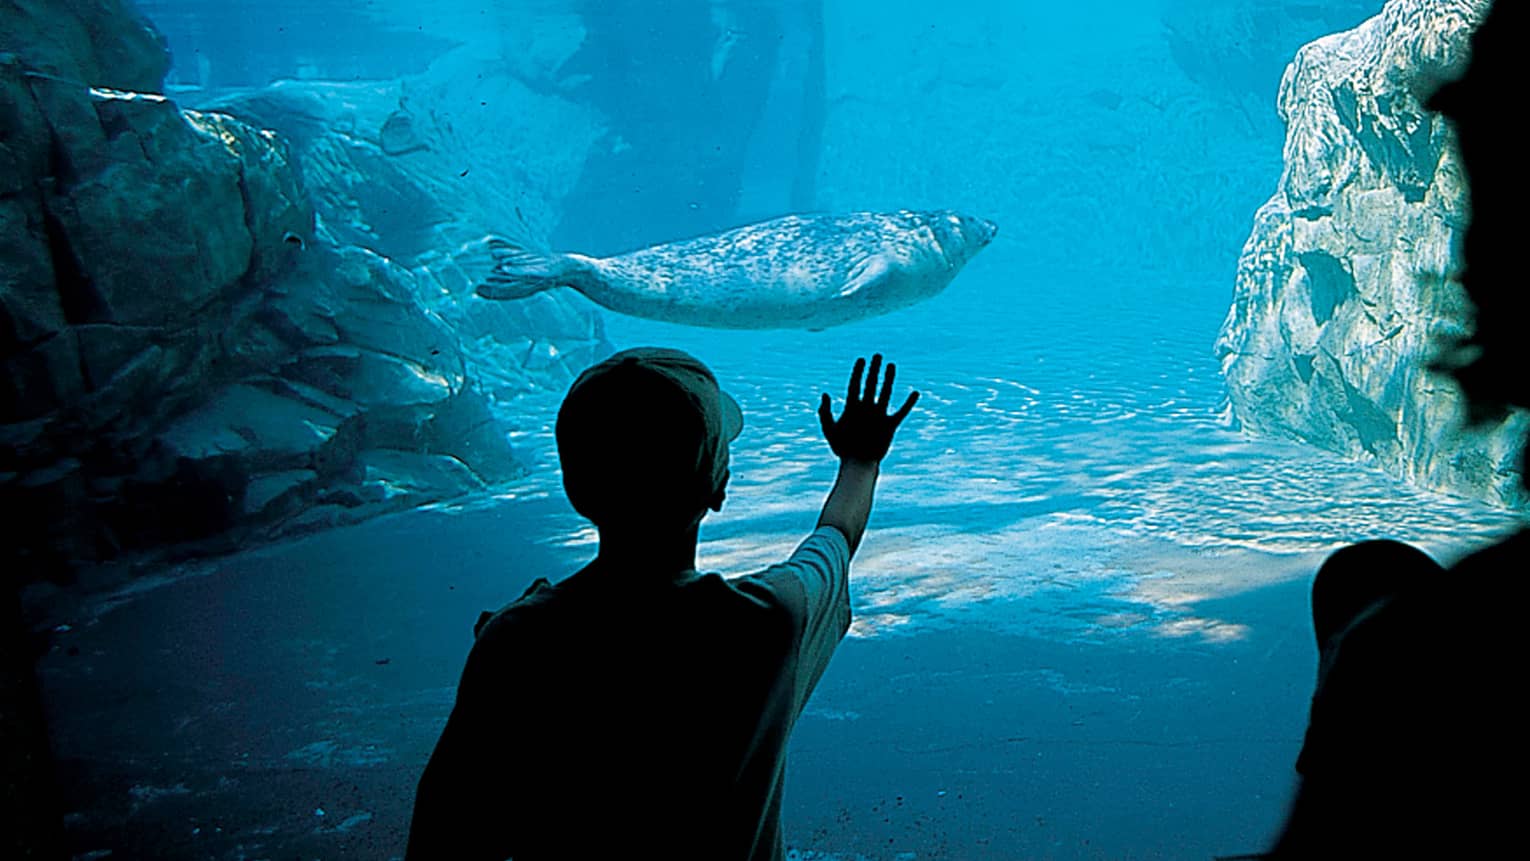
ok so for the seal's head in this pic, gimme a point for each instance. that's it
(643, 440)
(928, 249)
(960, 236)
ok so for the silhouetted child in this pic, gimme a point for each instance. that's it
(1416, 743)
(639, 708)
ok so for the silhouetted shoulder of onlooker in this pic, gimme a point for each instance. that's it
(1408, 719)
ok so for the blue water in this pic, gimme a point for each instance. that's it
(1079, 615)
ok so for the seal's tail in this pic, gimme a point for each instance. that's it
(520, 271)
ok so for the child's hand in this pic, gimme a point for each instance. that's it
(864, 431)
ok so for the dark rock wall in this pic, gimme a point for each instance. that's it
(136, 238)
(1344, 292)
(189, 358)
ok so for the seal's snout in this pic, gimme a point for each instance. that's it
(988, 230)
(976, 232)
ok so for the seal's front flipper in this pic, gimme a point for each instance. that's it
(866, 273)
(520, 271)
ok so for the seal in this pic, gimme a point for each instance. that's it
(795, 272)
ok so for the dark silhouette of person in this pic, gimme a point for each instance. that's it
(639, 708)
(1415, 745)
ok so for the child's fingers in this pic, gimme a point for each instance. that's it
(855, 381)
(871, 377)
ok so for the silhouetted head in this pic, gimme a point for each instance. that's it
(643, 440)
(1357, 577)
(1494, 367)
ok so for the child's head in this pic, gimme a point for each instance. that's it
(643, 439)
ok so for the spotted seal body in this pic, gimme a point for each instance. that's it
(796, 272)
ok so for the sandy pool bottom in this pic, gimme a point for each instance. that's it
(1095, 701)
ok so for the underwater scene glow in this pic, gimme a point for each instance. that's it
(1080, 621)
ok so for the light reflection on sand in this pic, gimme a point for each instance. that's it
(1058, 513)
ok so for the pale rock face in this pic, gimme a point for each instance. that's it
(1344, 293)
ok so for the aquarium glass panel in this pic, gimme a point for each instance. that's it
(294, 291)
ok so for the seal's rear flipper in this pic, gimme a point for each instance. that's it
(520, 271)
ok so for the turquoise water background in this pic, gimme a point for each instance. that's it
(1080, 624)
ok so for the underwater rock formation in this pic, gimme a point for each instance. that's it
(1344, 293)
(421, 170)
(183, 360)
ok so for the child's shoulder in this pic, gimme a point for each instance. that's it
(537, 593)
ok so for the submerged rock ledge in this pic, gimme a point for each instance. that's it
(187, 359)
(1344, 291)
